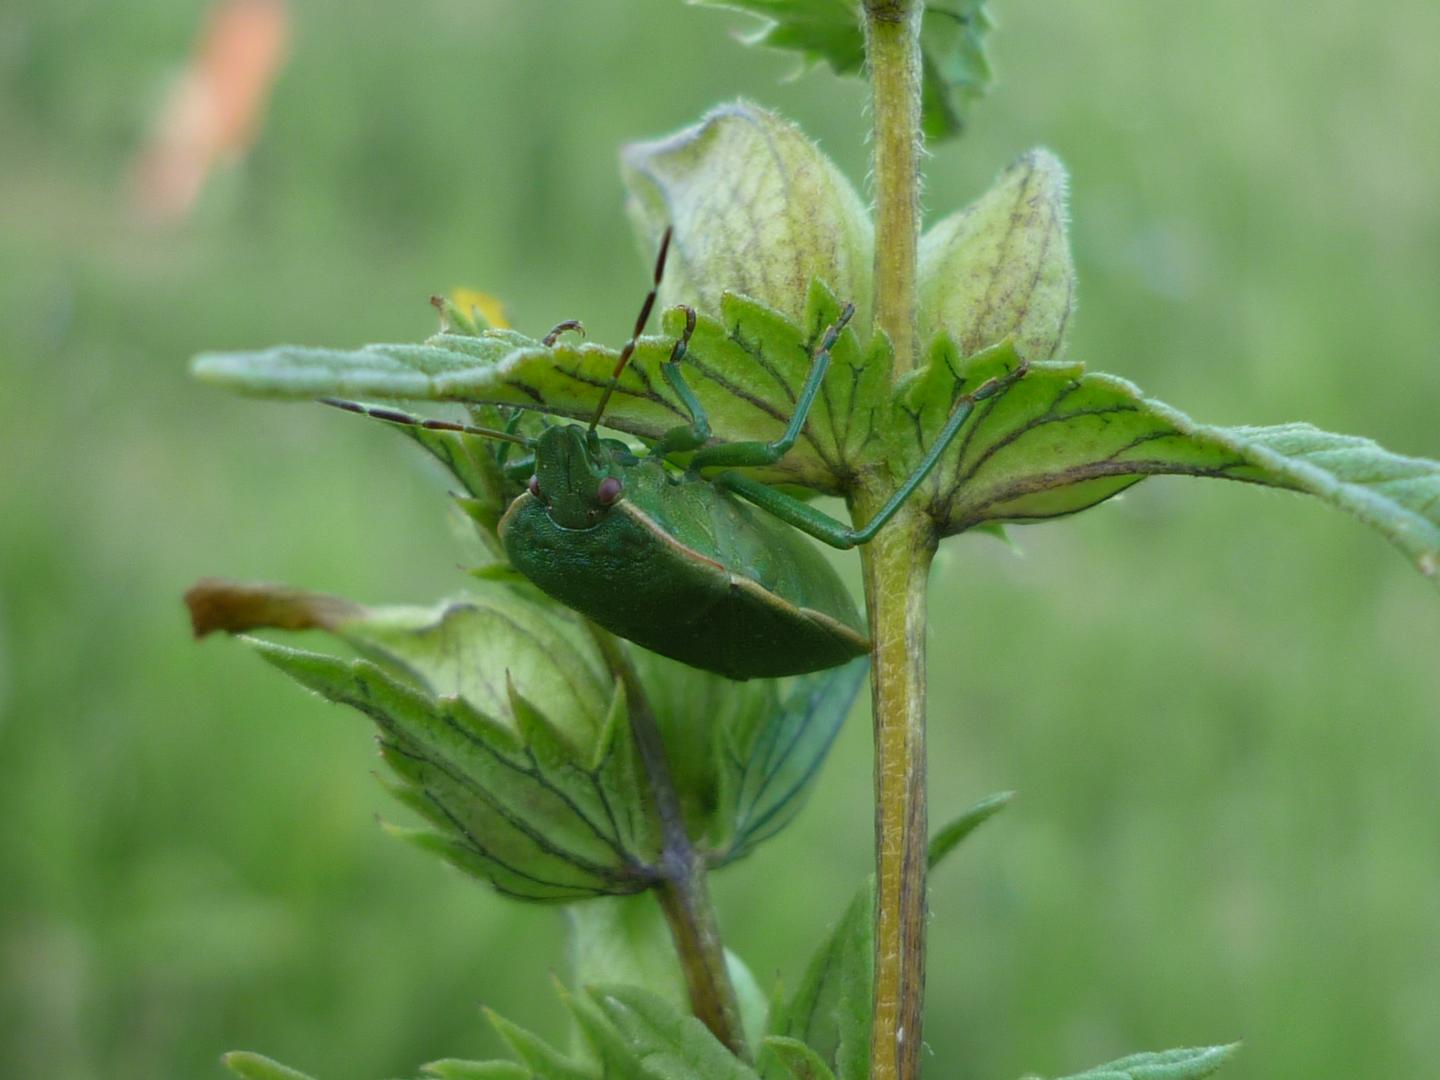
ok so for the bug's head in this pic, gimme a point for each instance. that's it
(576, 476)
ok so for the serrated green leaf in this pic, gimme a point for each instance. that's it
(669, 1044)
(956, 65)
(956, 74)
(746, 369)
(482, 646)
(830, 1011)
(1188, 1064)
(256, 1067)
(799, 1061)
(612, 1053)
(514, 802)
(542, 1059)
(455, 1069)
(775, 761)
(948, 838)
(1059, 441)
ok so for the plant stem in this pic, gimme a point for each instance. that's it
(892, 46)
(682, 889)
(897, 565)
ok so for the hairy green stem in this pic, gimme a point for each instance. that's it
(897, 564)
(892, 45)
(683, 889)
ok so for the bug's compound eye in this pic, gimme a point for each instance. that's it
(534, 486)
(609, 491)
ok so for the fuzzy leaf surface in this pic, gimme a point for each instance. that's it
(756, 208)
(1187, 1064)
(956, 64)
(394, 372)
(746, 368)
(1060, 440)
(1001, 267)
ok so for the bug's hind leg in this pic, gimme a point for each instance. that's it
(749, 454)
(835, 533)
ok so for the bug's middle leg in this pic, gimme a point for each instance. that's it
(750, 454)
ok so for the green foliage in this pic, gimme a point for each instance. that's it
(957, 72)
(829, 1012)
(997, 287)
(455, 1069)
(1188, 1064)
(952, 39)
(950, 836)
(509, 734)
(667, 1043)
(1212, 258)
(1058, 441)
(626, 940)
(250, 1066)
(1001, 269)
(628, 1032)
(782, 755)
(535, 817)
(745, 368)
(830, 1009)
(799, 1061)
(1061, 440)
(756, 208)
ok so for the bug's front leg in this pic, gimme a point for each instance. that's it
(752, 454)
(694, 434)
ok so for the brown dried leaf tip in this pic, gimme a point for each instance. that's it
(238, 606)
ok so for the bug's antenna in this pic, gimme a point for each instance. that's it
(644, 317)
(395, 416)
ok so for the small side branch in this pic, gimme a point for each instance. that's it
(683, 890)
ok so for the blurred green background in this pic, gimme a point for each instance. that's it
(1219, 704)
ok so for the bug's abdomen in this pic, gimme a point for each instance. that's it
(642, 583)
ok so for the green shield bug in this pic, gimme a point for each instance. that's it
(702, 566)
